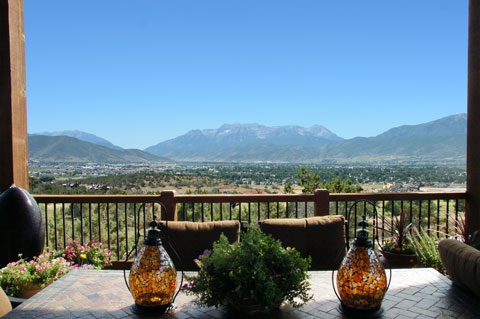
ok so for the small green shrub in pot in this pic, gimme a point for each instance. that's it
(256, 273)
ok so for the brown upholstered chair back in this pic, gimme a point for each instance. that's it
(322, 238)
(462, 263)
(191, 239)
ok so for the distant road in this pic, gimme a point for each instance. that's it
(443, 190)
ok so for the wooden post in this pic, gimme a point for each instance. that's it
(321, 203)
(473, 118)
(168, 199)
(13, 105)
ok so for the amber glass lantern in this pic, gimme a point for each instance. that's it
(361, 278)
(152, 279)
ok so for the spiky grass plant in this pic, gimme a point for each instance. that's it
(426, 249)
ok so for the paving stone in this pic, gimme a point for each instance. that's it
(424, 312)
(426, 303)
(422, 295)
(405, 296)
(406, 304)
(402, 312)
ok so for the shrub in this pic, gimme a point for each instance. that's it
(257, 270)
(426, 248)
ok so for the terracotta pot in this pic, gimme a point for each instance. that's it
(248, 306)
(32, 289)
(29, 291)
(394, 260)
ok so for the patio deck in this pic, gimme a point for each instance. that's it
(413, 293)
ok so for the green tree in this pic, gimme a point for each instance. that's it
(311, 181)
(336, 186)
(308, 180)
(288, 188)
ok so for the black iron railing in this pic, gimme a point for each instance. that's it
(111, 219)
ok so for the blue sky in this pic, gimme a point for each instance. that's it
(138, 73)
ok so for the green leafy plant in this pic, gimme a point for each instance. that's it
(426, 249)
(400, 241)
(91, 254)
(255, 270)
(37, 272)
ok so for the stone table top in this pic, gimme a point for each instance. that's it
(413, 293)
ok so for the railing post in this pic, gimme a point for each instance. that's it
(168, 199)
(321, 202)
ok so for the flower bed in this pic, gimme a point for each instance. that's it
(92, 254)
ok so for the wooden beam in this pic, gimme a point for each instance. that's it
(473, 118)
(13, 105)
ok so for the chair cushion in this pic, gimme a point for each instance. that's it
(5, 305)
(462, 263)
(322, 238)
(191, 239)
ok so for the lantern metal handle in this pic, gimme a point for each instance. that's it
(333, 271)
(137, 213)
(375, 217)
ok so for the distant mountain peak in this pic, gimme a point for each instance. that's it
(64, 149)
(237, 134)
(83, 136)
(445, 126)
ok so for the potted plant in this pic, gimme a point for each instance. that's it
(25, 278)
(398, 251)
(254, 275)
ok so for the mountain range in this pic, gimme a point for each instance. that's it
(66, 149)
(83, 136)
(442, 140)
